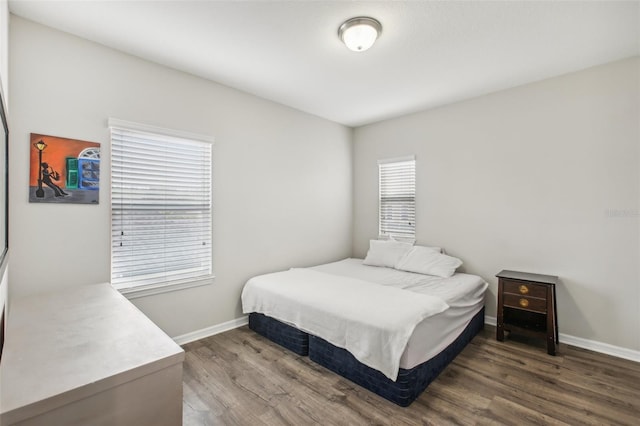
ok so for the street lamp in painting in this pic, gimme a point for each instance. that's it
(40, 146)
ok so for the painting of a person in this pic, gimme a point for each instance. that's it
(47, 176)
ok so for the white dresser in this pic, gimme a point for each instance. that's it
(87, 356)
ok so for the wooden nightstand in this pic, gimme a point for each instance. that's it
(527, 305)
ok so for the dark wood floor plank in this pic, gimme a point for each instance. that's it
(241, 378)
(511, 413)
(539, 381)
(434, 410)
(569, 403)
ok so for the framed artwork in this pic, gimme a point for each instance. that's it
(65, 171)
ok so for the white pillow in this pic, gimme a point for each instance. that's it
(426, 260)
(385, 252)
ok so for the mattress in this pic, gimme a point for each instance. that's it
(464, 293)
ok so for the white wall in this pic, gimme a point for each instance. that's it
(541, 178)
(282, 178)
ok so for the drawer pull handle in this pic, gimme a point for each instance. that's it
(523, 289)
(524, 303)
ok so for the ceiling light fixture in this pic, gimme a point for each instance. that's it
(359, 34)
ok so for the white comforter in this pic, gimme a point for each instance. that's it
(372, 321)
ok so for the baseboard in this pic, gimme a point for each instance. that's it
(592, 345)
(210, 331)
(604, 348)
(579, 342)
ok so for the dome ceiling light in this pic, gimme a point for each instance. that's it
(359, 34)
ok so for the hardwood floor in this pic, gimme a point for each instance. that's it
(241, 378)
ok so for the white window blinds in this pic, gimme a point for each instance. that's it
(397, 197)
(160, 208)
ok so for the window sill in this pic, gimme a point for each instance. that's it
(135, 292)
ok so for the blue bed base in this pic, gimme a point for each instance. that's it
(409, 384)
(283, 334)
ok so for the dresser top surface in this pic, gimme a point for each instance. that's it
(80, 340)
(527, 276)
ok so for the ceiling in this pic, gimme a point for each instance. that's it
(430, 53)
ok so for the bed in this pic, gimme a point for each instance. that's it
(388, 330)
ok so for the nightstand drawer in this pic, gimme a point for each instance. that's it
(525, 288)
(528, 303)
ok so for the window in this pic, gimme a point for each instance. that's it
(397, 197)
(160, 209)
